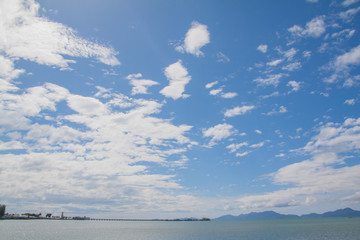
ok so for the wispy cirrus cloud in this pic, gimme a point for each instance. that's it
(314, 28)
(271, 80)
(221, 57)
(218, 132)
(347, 3)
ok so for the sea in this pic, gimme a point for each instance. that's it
(305, 229)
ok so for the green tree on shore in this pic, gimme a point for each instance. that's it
(2, 210)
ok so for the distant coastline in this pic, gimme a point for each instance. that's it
(345, 213)
(12, 217)
(50, 216)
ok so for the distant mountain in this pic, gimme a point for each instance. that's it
(258, 215)
(347, 212)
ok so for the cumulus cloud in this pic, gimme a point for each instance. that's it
(324, 173)
(219, 91)
(140, 86)
(229, 95)
(210, 85)
(342, 66)
(196, 37)
(315, 28)
(218, 132)
(215, 91)
(347, 59)
(90, 148)
(294, 85)
(178, 77)
(238, 110)
(262, 48)
(234, 147)
(29, 36)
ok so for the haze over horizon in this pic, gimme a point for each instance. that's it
(165, 109)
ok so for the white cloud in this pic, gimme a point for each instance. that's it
(281, 109)
(7, 69)
(87, 105)
(238, 110)
(28, 36)
(346, 33)
(306, 54)
(258, 131)
(242, 154)
(273, 79)
(257, 145)
(350, 58)
(292, 66)
(350, 101)
(216, 91)
(347, 3)
(218, 132)
(342, 66)
(323, 176)
(140, 85)
(222, 57)
(196, 37)
(275, 62)
(229, 95)
(289, 54)
(178, 77)
(234, 147)
(294, 85)
(210, 85)
(95, 153)
(350, 82)
(274, 94)
(262, 48)
(315, 28)
(312, 1)
(349, 14)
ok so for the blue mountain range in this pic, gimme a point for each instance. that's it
(346, 212)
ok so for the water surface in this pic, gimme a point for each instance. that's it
(306, 229)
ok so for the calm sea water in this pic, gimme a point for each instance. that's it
(307, 229)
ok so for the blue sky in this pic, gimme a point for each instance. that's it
(179, 108)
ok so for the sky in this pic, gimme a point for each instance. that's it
(164, 109)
